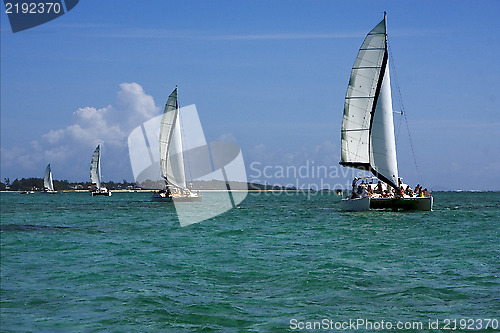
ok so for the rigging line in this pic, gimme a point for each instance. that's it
(403, 112)
(398, 130)
(413, 151)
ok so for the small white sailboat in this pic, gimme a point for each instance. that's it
(171, 156)
(367, 134)
(95, 174)
(48, 184)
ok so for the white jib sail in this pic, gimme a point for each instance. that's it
(383, 144)
(47, 179)
(175, 156)
(95, 168)
(170, 144)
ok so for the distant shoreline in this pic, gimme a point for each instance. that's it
(252, 191)
(146, 191)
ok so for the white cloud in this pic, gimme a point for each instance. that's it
(136, 104)
(227, 137)
(69, 149)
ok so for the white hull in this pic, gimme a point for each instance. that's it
(364, 204)
(187, 198)
(104, 193)
(49, 192)
(162, 197)
(355, 205)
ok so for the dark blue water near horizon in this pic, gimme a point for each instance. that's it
(73, 263)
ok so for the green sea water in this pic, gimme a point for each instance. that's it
(75, 263)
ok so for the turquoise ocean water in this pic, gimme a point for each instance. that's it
(73, 263)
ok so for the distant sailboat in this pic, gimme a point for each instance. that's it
(171, 156)
(367, 133)
(95, 174)
(48, 184)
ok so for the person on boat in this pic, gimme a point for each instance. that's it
(425, 192)
(370, 191)
(418, 190)
(362, 191)
(378, 189)
(407, 190)
(354, 193)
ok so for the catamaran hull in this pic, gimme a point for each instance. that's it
(107, 194)
(364, 204)
(194, 198)
(418, 203)
(176, 199)
(355, 205)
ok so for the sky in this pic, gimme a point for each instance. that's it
(270, 76)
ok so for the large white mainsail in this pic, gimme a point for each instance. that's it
(95, 168)
(170, 144)
(367, 133)
(47, 180)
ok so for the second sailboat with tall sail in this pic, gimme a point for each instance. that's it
(95, 174)
(48, 184)
(367, 134)
(171, 156)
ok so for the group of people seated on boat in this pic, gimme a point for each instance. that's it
(382, 190)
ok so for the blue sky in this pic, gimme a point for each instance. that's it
(268, 75)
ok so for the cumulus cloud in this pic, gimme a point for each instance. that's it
(227, 137)
(136, 104)
(69, 149)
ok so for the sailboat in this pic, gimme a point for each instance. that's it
(95, 174)
(171, 156)
(48, 185)
(367, 134)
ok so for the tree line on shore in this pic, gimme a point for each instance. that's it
(36, 184)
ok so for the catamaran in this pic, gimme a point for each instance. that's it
(95, 174)
(48, 185)
(171, 156)
(367, 134)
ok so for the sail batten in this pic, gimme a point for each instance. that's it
(355, 130)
